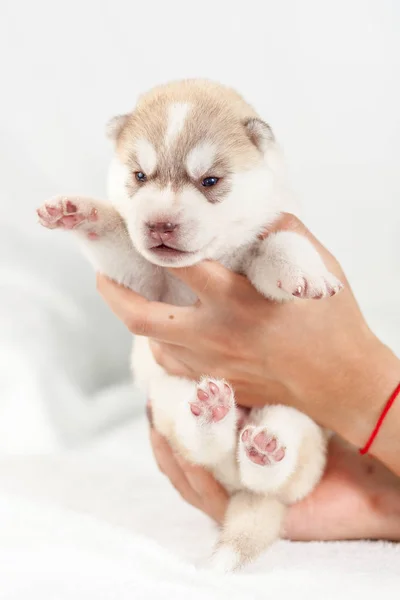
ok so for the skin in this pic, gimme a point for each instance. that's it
(358, 498)
(341, 377)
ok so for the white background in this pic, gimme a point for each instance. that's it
(324, 74)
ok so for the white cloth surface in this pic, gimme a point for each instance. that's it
(102, 523)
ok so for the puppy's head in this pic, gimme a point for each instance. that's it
(192, 173)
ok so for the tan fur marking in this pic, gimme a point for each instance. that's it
(217, 117)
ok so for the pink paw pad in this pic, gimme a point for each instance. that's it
(214, 399)
(262, 448)
(65, 214)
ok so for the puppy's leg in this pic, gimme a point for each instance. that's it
(207, 423)
(288, 266)
(104, 239)
(205, 417)
(199, 419)
(281, 453)
(252, 523)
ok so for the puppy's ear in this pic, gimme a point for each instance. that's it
(115, 126)
(260, 133)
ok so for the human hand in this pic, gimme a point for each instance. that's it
(316, 355)
(357, 497)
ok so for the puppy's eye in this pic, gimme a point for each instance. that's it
(140, 176)
(209, 181)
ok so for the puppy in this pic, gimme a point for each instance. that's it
(198, 175)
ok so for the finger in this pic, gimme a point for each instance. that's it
(208, 279)
(168, 465)
(162, 451)
(149, 413)
(286, 222)
(213, 497)
(163, 354)
(289, 222)
(201, 480)
(142, 317)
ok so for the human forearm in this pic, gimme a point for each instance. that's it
(348, 397)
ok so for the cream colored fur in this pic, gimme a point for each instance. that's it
(181, 133)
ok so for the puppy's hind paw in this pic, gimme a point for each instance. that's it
(214, 400)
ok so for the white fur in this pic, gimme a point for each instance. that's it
(176, 115)
(289, 259)
(200, 159)
(252, 523)
(203, 230)
(117, 178)
(146, 156)
(116, 125)
(225, 231)
(206, 441)
(224, 560)
(289, 426)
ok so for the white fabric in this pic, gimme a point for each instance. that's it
(102, 523)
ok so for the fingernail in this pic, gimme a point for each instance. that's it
(149, 413)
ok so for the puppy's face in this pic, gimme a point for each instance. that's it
(190, 178)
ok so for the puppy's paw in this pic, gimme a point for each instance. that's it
(267, 456)
(287, 266)
(63, 212)
(214, 400)
(301, 284)
(261, 446)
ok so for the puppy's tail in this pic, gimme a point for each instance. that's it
(252, 523)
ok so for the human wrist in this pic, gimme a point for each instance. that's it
(386, 445)
(374, 379)
(349, 395)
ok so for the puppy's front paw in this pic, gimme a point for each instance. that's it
(288, 266)
(71, 213)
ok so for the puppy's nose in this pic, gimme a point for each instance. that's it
(162, 227)
(162, 230)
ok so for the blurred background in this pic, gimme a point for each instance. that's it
(324, 74)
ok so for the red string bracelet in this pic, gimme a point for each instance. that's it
(380, 420)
